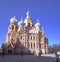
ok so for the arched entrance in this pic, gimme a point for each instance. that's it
(10, 49)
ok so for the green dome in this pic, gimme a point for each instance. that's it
(37, 25)
(20, 22)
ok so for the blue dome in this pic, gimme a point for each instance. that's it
(21, 23)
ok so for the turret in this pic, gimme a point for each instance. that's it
(37, 25)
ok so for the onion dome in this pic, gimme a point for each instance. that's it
(37, 24)
(21, 23)
(13, 19)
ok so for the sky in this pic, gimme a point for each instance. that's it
(47, 11)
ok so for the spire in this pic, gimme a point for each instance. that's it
(14, 16)
(37, 24)
(28, 14)
(21, 18)
(37, 20)
(42, 29)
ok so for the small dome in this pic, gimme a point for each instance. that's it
(13, 19)
(21, 23)
(37, 25)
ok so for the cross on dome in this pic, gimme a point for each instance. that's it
(42, 29)
(13, 19)
(14, 16)
(21, 18)
(37, 24)
(37, 20)
(28, 14)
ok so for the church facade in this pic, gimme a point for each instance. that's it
(25, 36)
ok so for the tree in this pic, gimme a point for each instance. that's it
(3, 48)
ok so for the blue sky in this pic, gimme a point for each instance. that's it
(48, 12)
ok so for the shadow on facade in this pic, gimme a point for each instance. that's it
(15, 48)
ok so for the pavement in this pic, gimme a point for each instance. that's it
(28, 58)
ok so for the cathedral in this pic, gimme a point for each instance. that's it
(25, 36)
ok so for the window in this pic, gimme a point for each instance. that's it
(34, 38)
(31, 45)
(12, 27)
(29, 24)
(28, 37)
(21, 37)
(31, 37)
(34, 45)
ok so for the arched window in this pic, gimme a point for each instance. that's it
(31, 45)
(34, 37)
(21, 37)
(34, 45)
(12, 27)
(31, 37)
(29, 24)
(37, 45)
(28, 37)
(24, 43)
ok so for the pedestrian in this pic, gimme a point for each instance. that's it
(3, 52)
(57, 56)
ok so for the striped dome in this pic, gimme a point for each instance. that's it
(21, 23)
(13, 19)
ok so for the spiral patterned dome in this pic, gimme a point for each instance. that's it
(13, 19)
(21, 23)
